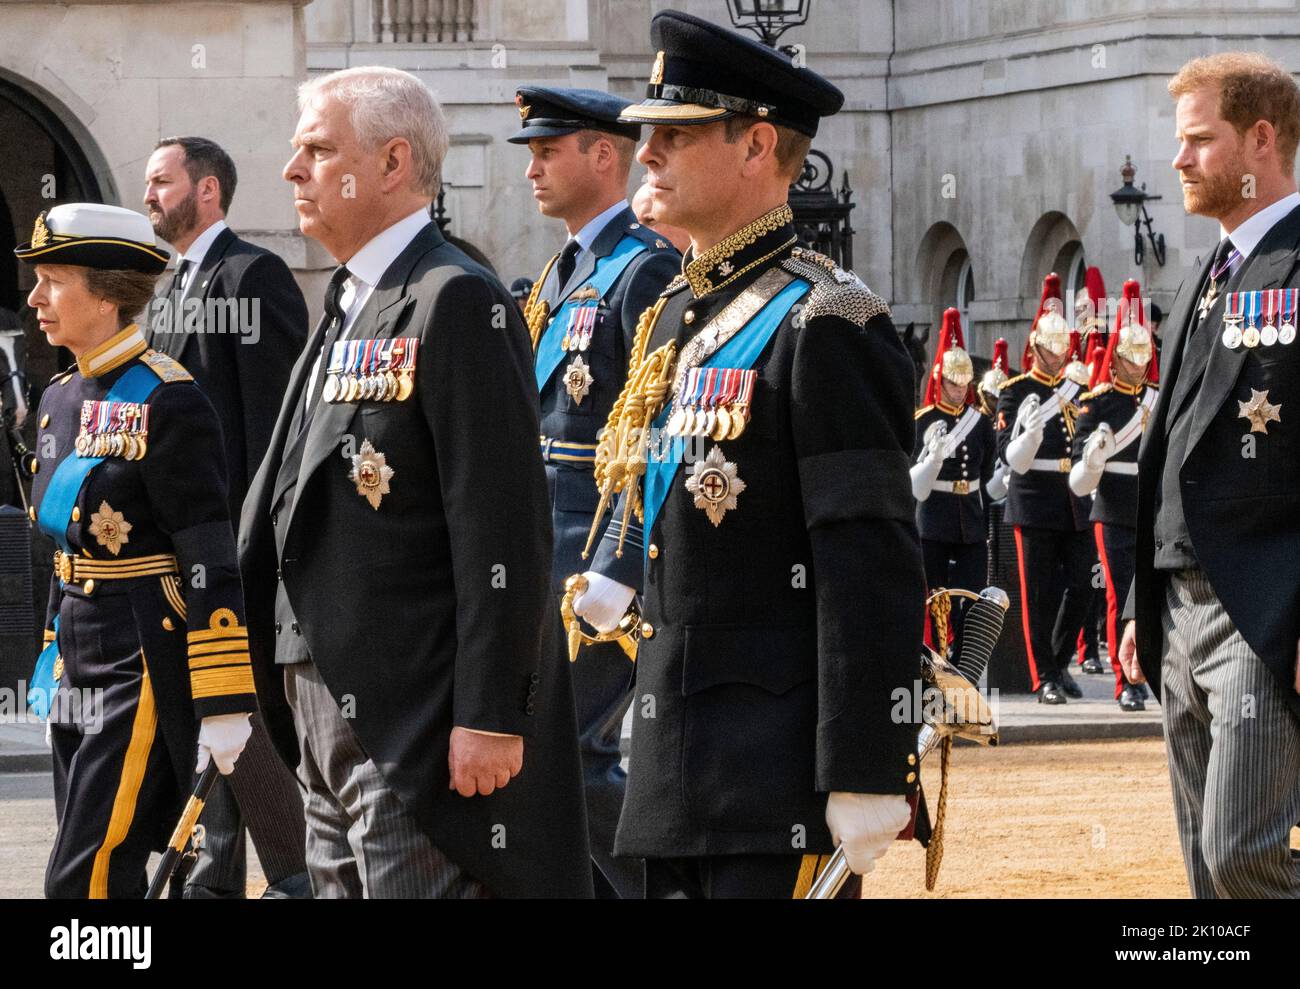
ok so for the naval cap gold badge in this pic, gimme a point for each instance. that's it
(371, 474)
(715, 485)
(40, 232)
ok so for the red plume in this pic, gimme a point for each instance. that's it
(1131, 299)
(1000, 355)
(950, 336)
(1051, 290)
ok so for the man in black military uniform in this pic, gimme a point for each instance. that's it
(240, 357)
(784, 587)
(583, 313)
(1035, 424)
(956, 454)
(1112, 417)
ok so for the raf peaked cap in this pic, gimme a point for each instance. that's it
(546, 112)
(704, 72)
(94, 236)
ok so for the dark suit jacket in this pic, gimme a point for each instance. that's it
(1242, 512)
(427, 612)
(245, 369)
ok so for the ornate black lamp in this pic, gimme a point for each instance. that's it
(1130, 203)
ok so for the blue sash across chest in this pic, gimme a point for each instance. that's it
(608, 270)
(664, 459)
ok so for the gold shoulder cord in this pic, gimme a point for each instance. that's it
(535, 313)
(621, 451)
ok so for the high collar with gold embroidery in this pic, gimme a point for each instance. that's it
(952, 410)
(1124, 389)
(112, 353)
(748, 247)
(1042, 377)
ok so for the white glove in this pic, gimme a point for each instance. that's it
(1021, 450)
(1027, 412)
(865, 824)
(604, 603)
(222, 737)
(1099, 447)
(49, 733)
(924, 473)
(997, 486)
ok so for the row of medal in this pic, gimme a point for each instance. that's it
(1277, 308)
(713, 402)
(371, 370)
(581, 325)
(113, 429)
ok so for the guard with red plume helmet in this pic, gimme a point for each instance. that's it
(1112, 418)
(1035, 429)
(956, 451)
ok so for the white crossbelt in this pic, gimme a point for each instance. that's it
(1061, 466)
(957, 487)
(1132, 429)
(1123, 467)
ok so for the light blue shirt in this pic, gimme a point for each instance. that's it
(592, 229)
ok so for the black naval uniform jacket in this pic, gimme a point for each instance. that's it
(1115, 500)
(243, 370)
(190, 625)
(573, 493)
(773, 643)
(946, 516)
(1040, 498)
(427, 612)
(1242, 513)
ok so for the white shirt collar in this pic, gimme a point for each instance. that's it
(1248, 235)
(588, 234)
(369, 264)
(199, 249)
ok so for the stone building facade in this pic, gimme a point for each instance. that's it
(981, 138)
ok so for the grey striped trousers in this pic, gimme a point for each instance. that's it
(1234, 751)
(361, 841)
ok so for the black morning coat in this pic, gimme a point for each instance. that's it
(777, 640)
(1242, 512)
(427, 612)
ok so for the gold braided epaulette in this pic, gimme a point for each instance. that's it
(921, 411)
(1012, 381)
(1101, 389)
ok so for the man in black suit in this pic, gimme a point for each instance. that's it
(1216, 596)
(396, 542)
(234, 317)
(582, 314)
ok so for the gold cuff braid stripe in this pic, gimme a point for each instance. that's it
(222, 681)
(220, 659)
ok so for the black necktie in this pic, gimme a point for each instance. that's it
(178, 279)
(336, 316)
(568, 257)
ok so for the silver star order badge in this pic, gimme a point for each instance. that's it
(578, 380)
(1260, 411)
(371, 474)
(714, 484)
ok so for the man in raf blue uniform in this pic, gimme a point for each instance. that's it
(1112, 418)
(583, 313)
(770, 411)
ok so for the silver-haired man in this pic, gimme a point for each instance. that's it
(396, 545)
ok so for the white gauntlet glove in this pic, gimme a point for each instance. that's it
(604, 603)
(1086, 474)
(864, 825)
(222, 738)
(997, 486)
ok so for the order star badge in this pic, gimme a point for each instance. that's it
(109, 528)
(714, 484)
(371, 474)
(1260, 411)
(578, 380)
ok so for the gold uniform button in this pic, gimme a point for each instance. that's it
(653, 552)
(76, 513)
(911, 777)
(911, 759)
(647, 630)
(90, 587)
(31, 513)
(167, 624)
(689, 317)
(45, 420)
(36, 465)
